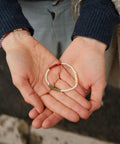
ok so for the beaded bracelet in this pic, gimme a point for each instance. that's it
(57, 89)
(2, 39)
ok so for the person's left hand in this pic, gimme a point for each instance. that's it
(86, 55)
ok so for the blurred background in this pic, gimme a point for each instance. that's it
(103, 127)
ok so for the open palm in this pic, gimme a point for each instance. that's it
(28, 61)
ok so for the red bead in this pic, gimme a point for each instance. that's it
(54, 66)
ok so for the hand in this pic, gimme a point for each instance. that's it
(87, 57)
(28, 61)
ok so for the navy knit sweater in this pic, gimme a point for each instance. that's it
(97, 19)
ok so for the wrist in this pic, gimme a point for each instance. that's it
(13, 37)
(91, 43)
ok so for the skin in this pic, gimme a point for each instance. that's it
(28, 61)
(86, 55)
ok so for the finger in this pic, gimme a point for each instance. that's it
(51, 121)
(68, 76)
(37, 122)
(59, 108)
(70, 99)
(29, 95)
(33, 113)
(97, 91)
(74, 95)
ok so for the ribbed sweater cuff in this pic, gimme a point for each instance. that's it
(11, 18)
(97, 20)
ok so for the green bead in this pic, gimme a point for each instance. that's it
(56, 89)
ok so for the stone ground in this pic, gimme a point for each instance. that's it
(14, 130)
(104, 124)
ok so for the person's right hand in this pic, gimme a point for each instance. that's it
(28, 61)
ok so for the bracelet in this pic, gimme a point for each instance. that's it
(2, 39)
(11, 31)
(57, 89)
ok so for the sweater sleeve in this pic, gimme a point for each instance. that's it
(97, 20)
(11, 17)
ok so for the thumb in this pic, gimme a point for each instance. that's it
(29, 95)
(97, 91)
